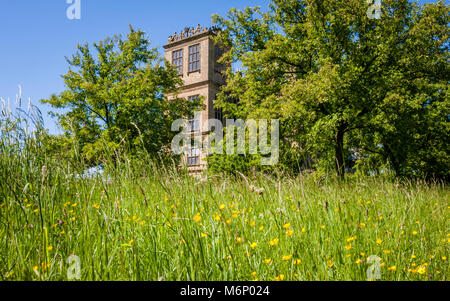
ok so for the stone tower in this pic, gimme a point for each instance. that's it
(194, 54)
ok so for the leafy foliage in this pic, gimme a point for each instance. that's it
(343, 84)
(120, 99)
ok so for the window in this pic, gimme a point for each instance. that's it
(193, 122)
(194, 58)
(193, 98)
(193, 157)
(177, 60)
(193, 125)
(218, 114)
(218, 54)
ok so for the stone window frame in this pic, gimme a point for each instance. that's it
(177, 60)
(193, 123)
(194, 58)
(193, 156)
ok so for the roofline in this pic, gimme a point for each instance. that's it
(189, 39)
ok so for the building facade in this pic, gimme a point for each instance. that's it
(194, 54)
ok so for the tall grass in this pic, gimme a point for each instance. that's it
(142, 220)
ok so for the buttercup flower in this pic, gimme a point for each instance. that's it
(287, 257)
(274, 242)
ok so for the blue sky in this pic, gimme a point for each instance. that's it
(35, 36)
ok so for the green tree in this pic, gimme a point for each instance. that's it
(339, 80)
(119, 99)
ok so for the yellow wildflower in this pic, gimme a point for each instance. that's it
(421, 270)
(350, 239)
(287, 257)
(392, 268)
(274, 242)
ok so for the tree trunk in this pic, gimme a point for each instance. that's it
(339, 153)
(393, 160)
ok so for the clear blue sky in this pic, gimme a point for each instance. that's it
(35, 36)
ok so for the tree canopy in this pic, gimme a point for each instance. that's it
(345, 86)
(117, 96)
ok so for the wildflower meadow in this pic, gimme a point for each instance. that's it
(147, 221)
(357, 95)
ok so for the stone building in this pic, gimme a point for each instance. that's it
(194, 54)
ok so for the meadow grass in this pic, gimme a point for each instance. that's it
(143, 220)
(148, 222)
